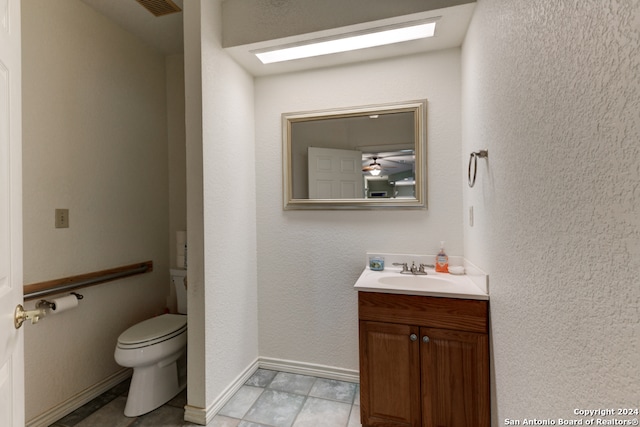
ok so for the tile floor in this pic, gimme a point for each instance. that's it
(267, 399)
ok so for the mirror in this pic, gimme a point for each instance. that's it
(371, 157)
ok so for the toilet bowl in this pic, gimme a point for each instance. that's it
(156, 350)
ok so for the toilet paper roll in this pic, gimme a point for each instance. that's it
(63, 303)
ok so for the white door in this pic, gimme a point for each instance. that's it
(11, 339)
(335, 174)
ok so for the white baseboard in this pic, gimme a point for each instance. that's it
(196, 415)
(314, 370)
(68, 406)
(203, 416)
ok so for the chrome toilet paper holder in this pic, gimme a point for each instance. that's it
(43, 303)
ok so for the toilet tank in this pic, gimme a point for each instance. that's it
(179, 281)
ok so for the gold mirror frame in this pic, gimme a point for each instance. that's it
(419, 110)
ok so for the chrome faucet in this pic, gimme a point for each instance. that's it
(415, 270)
(405, 269)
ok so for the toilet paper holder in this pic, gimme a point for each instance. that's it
(44, 304)
(43, 307)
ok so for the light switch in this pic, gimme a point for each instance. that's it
(62, 218)
(471, 216)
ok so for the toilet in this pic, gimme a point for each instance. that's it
(156, 350)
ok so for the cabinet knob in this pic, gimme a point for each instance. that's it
(413, 337)
(425, 339)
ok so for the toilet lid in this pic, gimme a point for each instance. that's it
(154, 329)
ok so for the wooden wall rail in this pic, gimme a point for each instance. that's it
(67, 284)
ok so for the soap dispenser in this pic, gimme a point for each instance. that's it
(442, 260)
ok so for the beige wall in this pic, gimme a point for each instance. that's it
(176, 134)
(95, 142)
(552, 92)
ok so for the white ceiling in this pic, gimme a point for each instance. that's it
(165, 34)
(252, 21)
(451, 27)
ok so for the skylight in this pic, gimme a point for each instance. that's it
(376, 37)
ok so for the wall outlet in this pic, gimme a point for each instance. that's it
(62, 218)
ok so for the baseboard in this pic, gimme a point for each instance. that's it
(194, 414)
(68, 406)
(314, 370)
(203, 416)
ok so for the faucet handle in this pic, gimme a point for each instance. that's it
(404, 266)
(423, 266)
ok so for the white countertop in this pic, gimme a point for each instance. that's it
(391, 281)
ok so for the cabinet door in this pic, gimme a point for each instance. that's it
(389, 375)
(455, 378)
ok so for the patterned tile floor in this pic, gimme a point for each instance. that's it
(267, 399)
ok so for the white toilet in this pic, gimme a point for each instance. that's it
(156, 350)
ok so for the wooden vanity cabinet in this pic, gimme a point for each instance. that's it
(424, 361)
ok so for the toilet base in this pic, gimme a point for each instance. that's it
(153, 386)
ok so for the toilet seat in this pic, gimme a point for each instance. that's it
(153, 331)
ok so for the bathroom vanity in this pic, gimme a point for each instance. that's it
(424, 360)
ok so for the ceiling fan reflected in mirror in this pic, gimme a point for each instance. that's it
(374, 168)
(391, 160)
(401, 161)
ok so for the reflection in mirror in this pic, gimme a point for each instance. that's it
(356, 158)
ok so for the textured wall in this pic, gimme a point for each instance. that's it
(551, 88)
(309, 261)
(227, 290)
(94, 142)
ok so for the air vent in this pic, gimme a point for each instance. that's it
(160, 7)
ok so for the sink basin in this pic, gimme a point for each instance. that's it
(425, 281)
(433, 284)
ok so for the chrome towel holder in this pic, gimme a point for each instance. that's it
(473, 165)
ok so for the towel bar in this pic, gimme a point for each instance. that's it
(473, 160)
